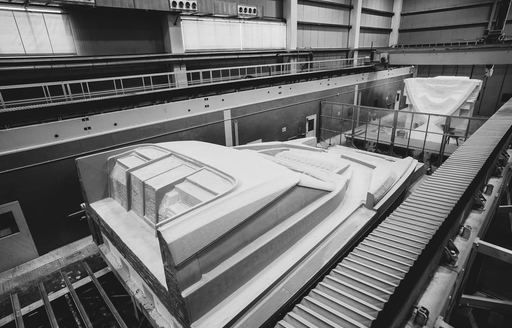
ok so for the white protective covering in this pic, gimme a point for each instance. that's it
(445, 95)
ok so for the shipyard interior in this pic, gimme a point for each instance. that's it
(255, 163)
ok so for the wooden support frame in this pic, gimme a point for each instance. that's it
(104, 296)
(76, 300)
(48, 306)
(17, 311)
(495, 251)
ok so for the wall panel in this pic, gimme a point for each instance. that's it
(27, 33)
(232, 34)
(115, 3)
(10, 39)
(318, 13)
(373, 39)
(384, 5)
(114, 32)
(450, 22)
(59, 31)
(273, 8)
(444, 18)
(263, 35)
(421, 5)
(33, 32)
(375, 20)
(508, 30)
(321, 37)
(441, 35)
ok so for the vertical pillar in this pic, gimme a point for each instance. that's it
(173, 43)
(228, 131)
(290, 14)
(398, 97)
(293, 65)
(395, 22)
(180, 75)
(173, 40)
(355, 27)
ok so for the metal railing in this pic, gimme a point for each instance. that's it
(412, 132)
(465, 43)
(22, 96)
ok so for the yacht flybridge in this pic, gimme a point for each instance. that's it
(207, 236)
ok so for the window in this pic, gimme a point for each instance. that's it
(8, 224)
(311, 125)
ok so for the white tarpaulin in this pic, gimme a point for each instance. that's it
(445, 95)
(440, 94)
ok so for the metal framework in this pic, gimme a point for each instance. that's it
(392, 128)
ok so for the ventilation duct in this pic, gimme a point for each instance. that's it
(247, 11)
(183, 5)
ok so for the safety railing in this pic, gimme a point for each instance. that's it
(413, 133)
(463, 43)
(22, 96)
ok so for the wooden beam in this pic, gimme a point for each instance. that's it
(492, 250)
(487, 303)
(48, 306)
(17, 311)
(104, 295)
(76, 300)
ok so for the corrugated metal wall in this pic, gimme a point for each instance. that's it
(231, 34)
(82, 32)
(327, 25)
(117, 31)
(508, 26)
(443, 21)
(272, 9)
(376, 23)
(322, 25)
(30, 33)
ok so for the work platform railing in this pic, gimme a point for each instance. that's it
(24, 96)
(371, 127)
